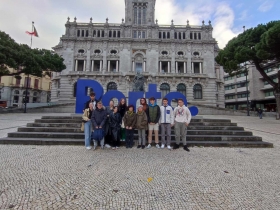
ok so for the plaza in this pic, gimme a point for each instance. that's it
(70, 177)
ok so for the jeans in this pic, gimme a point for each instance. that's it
(260, 115)
(142, 136)
(87, 131)
(180, 132)
(129, 138)
(101, 143)
(165, 132)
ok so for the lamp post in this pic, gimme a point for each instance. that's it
(246, 73)
(26, 91)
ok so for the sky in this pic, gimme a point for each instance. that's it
(228, 17)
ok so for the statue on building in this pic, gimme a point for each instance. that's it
(138, 82)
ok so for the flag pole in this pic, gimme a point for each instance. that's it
(27, 82)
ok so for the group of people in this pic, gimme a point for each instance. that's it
(119, 123)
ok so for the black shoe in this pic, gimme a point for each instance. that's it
(143, 146)
(186, 148)
(176, 146)
(139, 146)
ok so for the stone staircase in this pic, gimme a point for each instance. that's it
(65, 130)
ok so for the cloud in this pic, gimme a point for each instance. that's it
(266, 6)
(50, 17)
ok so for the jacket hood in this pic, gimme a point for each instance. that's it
(155, 104)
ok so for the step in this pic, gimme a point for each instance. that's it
(63, 141)
(58, 120)
(216, 120)
(51, 129)
(219, 132)
(51, 125)
(40, 135)
(191, 127)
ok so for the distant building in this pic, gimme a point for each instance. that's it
(260, 93)
(175, 57)
(12, 90)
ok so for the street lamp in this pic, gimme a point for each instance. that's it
(246, 74)
(26, 91)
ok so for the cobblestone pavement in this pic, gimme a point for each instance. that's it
(70, 177)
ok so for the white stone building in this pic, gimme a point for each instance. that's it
(175, 57)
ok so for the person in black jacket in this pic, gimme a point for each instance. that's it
(122, 108)
(98, 120)
(153, 114)
(115, 125)
(91, 100)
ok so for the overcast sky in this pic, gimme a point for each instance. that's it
(228, 16)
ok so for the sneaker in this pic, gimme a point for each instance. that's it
(186, 148)
(94, 147)
(149, 146)
(113, 148)
(168, 147)
(139, 146)
(176, 146)
(143, 146)
(162, 146)
(88, 148)
(107, 146)
(157, 146)
(117, 147)
(102, 147)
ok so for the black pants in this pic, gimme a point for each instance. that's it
(129, 138)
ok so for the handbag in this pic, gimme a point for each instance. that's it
(83, 127)
(97, 134)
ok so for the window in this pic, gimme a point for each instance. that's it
(81, 51)
(164, 88)
(243, 84)
(181, 88)
(75, 89)
(16, 92)
(228, 97)
(138, 67)
(97, 51)
(228, 78)
(27, 81)
(269, 93)
(243, 95)
(113, 52)
(36, 83)
(229, 87)
(112, 86)
(164, 53)
(139, 34)
(197, 91)
(180, 53)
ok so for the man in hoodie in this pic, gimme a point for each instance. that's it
(98, 120)
(166, 122)
(182, 120)
(153, 114)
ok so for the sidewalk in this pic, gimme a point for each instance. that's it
(71, 177)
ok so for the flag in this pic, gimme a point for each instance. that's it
(34, 33)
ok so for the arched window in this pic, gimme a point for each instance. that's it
(16, 92)
(112, 86)
(164, 88)
(28, 93)
(197, 91)
(181, 88)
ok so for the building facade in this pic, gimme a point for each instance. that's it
(13, 90)
(175, 57)
(260, 93)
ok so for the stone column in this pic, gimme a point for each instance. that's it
(92, 65)
(160, 67)
(84, 65)
(133, 66)
(168, 66)
(76, 65)
(176, 70)
(189, 65)
(100, 67)
(117, 66)
(144, 66)
(185, 70)
(200, 67)
(108, 67)
(192, 68)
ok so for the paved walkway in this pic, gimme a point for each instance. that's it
(69, 177)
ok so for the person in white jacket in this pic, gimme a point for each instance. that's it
(182, 120)
(166, 122)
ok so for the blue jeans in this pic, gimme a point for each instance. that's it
(88, 130)
(260, 115)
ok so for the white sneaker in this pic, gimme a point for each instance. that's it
(117, 147)
(149, 146)
(168, 147)
(107, 146)
(88, 148)
(162, 146)
(94, 147)
(102, 146)
(157, 146)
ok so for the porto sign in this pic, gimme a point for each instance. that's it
(84, 84)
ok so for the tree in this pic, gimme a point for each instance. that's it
(256, 46)
(25, 60)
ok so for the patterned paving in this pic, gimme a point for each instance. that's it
(70, 177)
